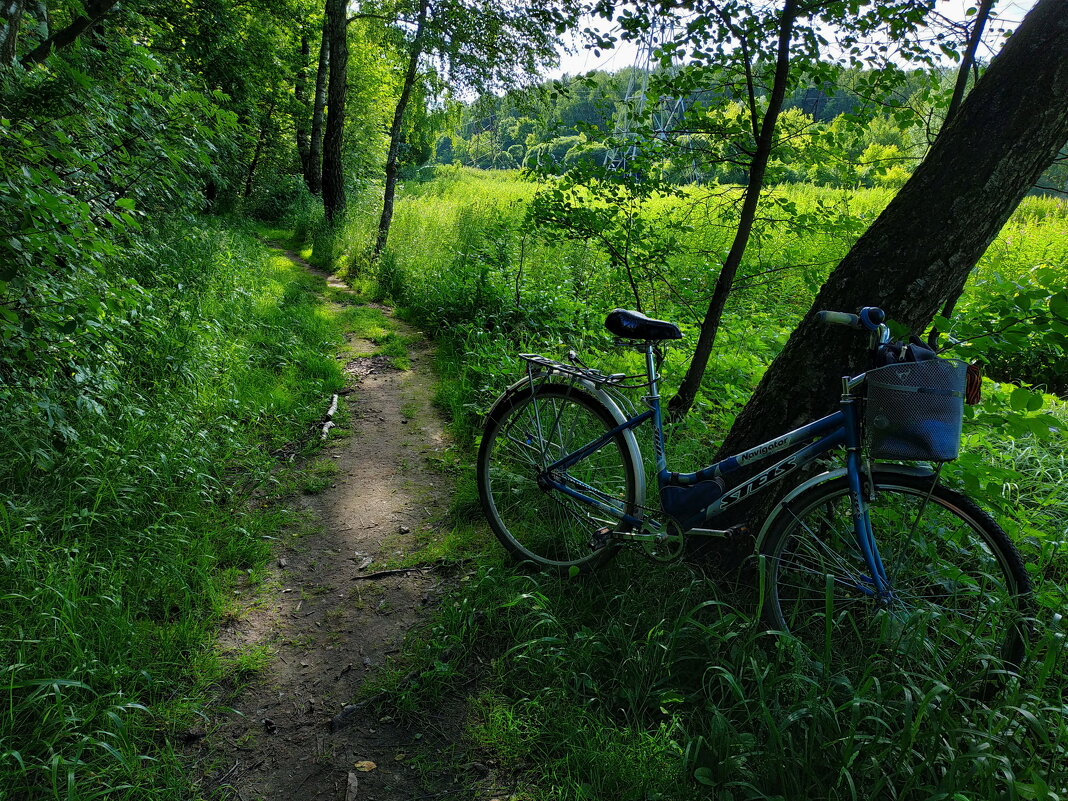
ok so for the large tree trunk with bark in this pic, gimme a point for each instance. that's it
(682, 401)
(395, 132)
(921, 249)
(300, 114)
(314, 178)
(333, 139)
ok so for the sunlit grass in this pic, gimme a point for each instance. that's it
(650, 681)
(116, 561)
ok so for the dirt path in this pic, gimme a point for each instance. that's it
(326, 630)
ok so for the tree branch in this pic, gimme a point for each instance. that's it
(94, 11)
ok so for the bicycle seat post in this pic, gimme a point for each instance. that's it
(653, 398)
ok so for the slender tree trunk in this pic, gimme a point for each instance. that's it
(967, 60)
(395, 132)
(966, 63)
(258, 152)
(333, 140)
(10, 19)
(683, 400)
(94, 11)
(300, 115)
(922, 247)
(314, 177)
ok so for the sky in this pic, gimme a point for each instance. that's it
(625, 54)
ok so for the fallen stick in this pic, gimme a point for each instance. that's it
(329, 417)
(398, 571)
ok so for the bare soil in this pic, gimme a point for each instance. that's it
(326, 630)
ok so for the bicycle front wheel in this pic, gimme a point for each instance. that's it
(535, 522)
(959, 595)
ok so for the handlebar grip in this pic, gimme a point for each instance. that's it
(839, 318)
(871, 317)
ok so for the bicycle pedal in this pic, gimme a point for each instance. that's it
(737, 532)
(601, 537)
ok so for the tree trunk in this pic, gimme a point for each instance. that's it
(300, 114)
(333, 139)
(314, 177)
(10, 20)
(258, 152)
(920, 250)
(968, 59)
(966, 63)
(395, 133)
(683, 400)
(94, 11)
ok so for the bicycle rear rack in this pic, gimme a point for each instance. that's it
(545, 364)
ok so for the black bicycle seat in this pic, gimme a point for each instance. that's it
(635, 325)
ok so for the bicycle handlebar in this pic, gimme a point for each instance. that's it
(868, 319)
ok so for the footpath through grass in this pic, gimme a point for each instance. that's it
(656, 681)
(132, 499)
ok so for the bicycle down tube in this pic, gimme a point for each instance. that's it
(836, 430)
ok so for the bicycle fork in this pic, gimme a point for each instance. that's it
(880, 585)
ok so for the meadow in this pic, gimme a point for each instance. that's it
(658, 681)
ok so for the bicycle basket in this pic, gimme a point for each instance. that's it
(914, 410)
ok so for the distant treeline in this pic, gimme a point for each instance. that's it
(832, 135)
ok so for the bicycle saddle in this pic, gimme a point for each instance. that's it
(635, 325)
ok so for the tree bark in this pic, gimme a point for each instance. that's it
(333, 140)
(94, 11)
(966, 63)
(968, 59)
(682, 401)
(300, 115)
(10, 20)
(258, 152)
(921, 249)
(395, 132)
(314, 178)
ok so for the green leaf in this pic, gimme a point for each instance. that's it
(1019, 399)
(1038, 427)
(704, 776)
(1035, 402)
(573, 571)
(1058, 305)
(125, 203)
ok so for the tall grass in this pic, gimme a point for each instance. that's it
(120, 535)
(653, 681)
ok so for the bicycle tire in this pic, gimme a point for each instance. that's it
(962, 598)
(541, 525)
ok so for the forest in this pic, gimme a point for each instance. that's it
(177, 182)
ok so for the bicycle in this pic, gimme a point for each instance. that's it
(562, 483)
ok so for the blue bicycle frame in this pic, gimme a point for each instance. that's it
(840, 429)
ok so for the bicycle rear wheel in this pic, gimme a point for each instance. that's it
(960, 594)
(536, 523)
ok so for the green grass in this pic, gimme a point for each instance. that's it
(653, 681)
(121, 534)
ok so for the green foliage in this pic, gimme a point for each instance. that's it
(89, 145)
(664, 687)
(126, 506)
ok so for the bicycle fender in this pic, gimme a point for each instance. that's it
(823, 478)
(617, 415)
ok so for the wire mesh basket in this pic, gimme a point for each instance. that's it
(914, 410)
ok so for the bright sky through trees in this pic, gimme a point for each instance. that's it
(581, 59)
